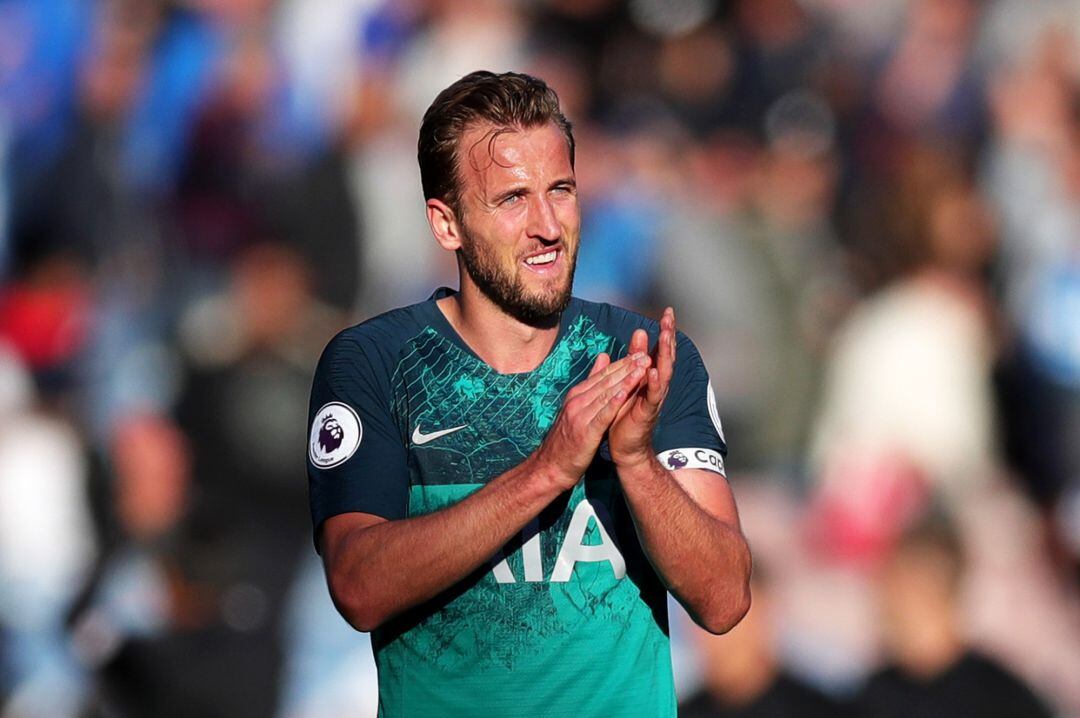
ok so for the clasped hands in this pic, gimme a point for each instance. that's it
(622, 399)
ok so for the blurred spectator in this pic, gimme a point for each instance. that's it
(860, 27)
(234, 545)
(256, 163)
(47, 532)
(925, 89)
(754, 265)
(787, 48)
(1033, 174)
(931, 669)
(622, 216)
(930, 84)
(744, 676)
(907, 410)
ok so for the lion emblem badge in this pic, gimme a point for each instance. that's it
(677, 460)
(335, 435)
(331, 434)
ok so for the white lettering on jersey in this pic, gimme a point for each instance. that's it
(502, 572)
(571, 552)
(530, 554)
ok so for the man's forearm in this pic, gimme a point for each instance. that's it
(378, 571)
(702, 559)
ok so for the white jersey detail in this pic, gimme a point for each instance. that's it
(714, 414)
(419, 438)
(692, 458)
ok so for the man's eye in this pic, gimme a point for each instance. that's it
(511, 199)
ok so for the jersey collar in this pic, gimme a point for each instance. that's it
(441, 324)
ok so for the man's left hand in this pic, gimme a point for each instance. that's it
(630, 436)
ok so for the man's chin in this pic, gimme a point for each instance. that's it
(540, 311)
(539, 305)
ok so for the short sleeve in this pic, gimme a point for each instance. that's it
(689, 434)
(356, 457)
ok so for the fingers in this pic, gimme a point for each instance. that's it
(599, 375)
(589, 409)
(665, 359)
(603, 361)
(654, 391)
(659, 377)
(615, 400)
(613, 393)
(665, 343)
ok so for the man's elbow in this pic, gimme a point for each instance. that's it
(356, 605)
(729, 602)
(721, 615)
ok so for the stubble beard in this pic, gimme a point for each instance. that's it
(506, 290)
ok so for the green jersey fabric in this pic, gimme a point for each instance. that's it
(569, 618)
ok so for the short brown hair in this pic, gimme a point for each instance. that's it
(510, 100)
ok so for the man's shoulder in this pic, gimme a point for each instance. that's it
(377, 341)
(621, 322)
(613, 319)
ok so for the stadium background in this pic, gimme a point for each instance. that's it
(865, 214)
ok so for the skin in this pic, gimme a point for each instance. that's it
(919, 596)
(518, 201)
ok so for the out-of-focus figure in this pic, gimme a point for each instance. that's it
(931, 670)
(47, 539)
(232, 552)
(907, 410)
(752, 260)
(1033, 175)
(744, 675)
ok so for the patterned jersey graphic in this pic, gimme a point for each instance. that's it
(569, 618)
(566, 576)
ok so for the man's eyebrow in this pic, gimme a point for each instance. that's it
(509, 192)
(567, 181)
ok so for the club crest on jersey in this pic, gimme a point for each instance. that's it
(335, 435)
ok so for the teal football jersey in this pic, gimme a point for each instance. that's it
(569, 618)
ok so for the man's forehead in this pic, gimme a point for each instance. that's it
(490, 151)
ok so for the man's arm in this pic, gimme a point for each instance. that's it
(377, 568)
(686, 519)
(687, 523)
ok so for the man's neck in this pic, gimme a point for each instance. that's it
(506, 344)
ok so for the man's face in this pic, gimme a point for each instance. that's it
(519, 217)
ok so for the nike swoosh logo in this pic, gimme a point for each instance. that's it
(420, 438)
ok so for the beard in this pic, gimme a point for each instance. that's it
(508, 292)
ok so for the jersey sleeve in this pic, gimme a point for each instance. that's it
(689, 434)
(356, 456)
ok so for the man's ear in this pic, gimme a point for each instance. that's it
(444, 224)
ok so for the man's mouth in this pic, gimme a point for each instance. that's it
(542, 260)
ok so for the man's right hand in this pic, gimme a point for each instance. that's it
(587, 412)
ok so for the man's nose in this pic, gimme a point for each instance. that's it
(542, 222)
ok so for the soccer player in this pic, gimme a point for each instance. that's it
(504, 479)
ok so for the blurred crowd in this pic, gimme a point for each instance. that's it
(866, 215)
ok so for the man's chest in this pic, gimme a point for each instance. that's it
(464, 423)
